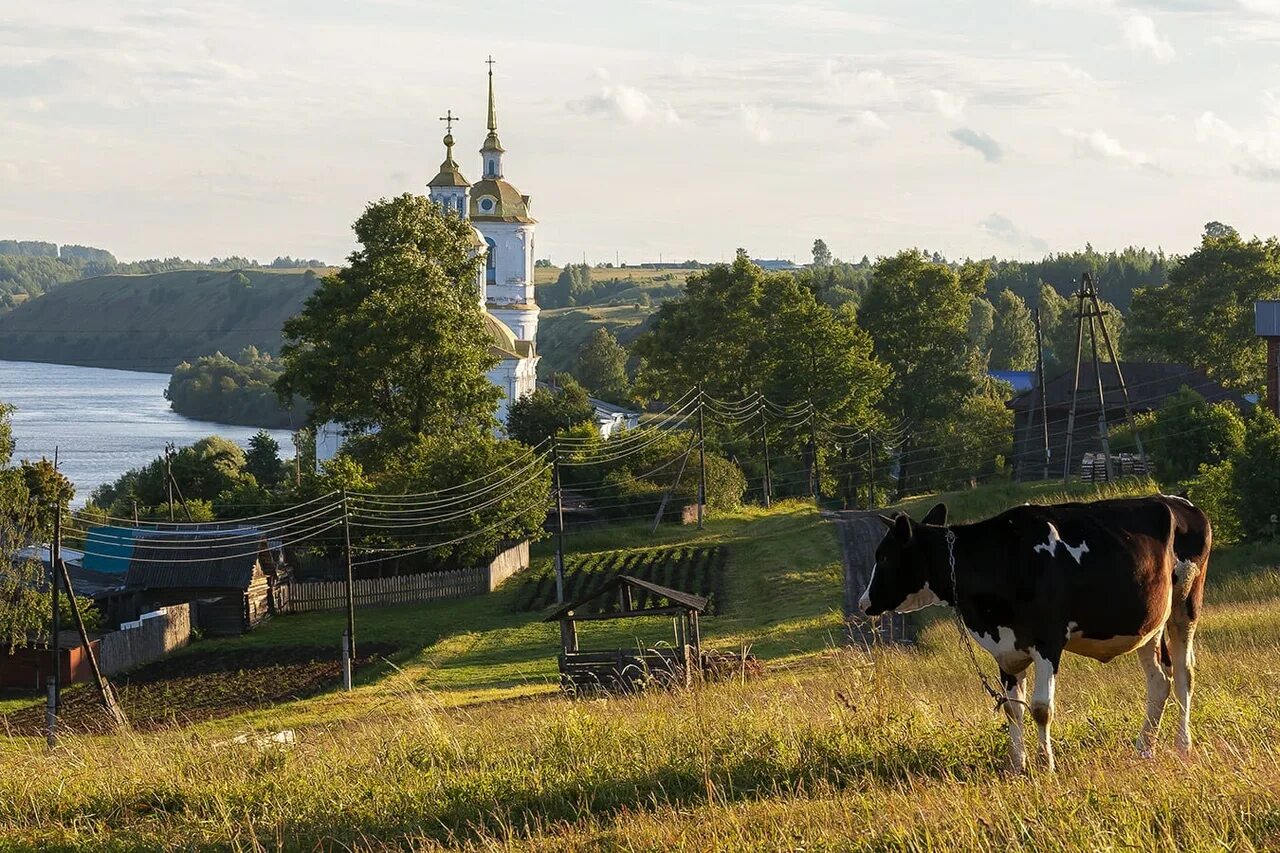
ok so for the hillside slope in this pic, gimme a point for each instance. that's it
(154, 322)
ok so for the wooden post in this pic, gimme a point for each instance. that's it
(1124, 388)
(1075, 387)
(50, 712)
(1102, 401)
(105, 694)
(1044, 410)
(168, 475)
(815, 484)
(351, 593)
(555, 470)
(346, 661)
(702, 461)
(871, 472)
(55, 583)
(768, 473)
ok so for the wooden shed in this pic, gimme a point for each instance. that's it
(627, 597)
(227, 581)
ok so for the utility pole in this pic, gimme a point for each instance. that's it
(1075, 387)
(55, 660)
(1044, 412)
(351, 595)
(768, 473)
(702, 461)
(871, 472)
(815, 487)
(1102, 400)
(555, 475)
(1124, 388)
(168, 471)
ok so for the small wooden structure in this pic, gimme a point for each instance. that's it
(630, 669)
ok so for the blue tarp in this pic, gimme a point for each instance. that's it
(109, 549)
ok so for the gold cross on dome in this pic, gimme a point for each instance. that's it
(448, 118)
(489, 62)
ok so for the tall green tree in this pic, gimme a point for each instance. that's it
(1203, 317)
(1013, 335)
(396, 341)
(821, 254)
(49, 491)
(538, 416)
(263, 459)
(982, 318)
(917, 313)
(602, 367)
(1256, 476)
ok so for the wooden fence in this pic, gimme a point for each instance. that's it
(304, 596)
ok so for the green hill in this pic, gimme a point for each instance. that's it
(153, 322)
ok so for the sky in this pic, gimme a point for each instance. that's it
(667, 129)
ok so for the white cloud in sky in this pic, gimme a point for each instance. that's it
(864, 122)
(1104, 146)
(1252, 154)
(1140, 34)
(948, 104)
(627, 103)
(1007, 232)
(753, 122)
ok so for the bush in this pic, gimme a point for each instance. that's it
(1213, 490)
(1256, 477)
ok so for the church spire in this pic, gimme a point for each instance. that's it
(491, 151)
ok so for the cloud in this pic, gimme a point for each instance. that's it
(1100, 144)
(1004, 230)
(1255, 155)
(948, 104)
(755, 124)
(615, 100)
(848, 84)
(1140, 34)
(980, 142)
(864, 122)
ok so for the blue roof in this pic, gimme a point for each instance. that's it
(110, 549)
(1021, 380)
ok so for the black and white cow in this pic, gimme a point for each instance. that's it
(1098, 579)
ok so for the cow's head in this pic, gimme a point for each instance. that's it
(900, 577)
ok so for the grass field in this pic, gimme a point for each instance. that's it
(459, 737)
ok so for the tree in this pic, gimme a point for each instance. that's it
(396, 341)
(49, 491)
(263, 459)
(536, 417)
(982, 316)
(1256, 476)
(821, 254)
(602, 367)
(1203, 317)
(1187, 432)
(1013, 335)
(917, 313)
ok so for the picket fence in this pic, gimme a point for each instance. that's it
(305, 596)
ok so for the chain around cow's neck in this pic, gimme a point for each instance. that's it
(1001, 698)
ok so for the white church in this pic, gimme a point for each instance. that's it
(500, 216)
(504, 234)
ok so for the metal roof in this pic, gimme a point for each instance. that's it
(1266, 318)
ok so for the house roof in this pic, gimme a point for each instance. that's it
(684, 600)
(222, 558)
(1148, 383)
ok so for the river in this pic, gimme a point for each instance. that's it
(103, 422)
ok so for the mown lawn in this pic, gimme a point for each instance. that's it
(461, 738)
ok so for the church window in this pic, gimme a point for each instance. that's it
(491, 169)
(490, 262)
(486, 204)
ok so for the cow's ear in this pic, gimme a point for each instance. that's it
(902, 528)
(886, 521)
(937, 515)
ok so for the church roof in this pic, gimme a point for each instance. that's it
(450, 175)
(503, 342)
(510, 205)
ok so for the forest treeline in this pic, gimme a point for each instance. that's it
(233, 391)
(31, 268)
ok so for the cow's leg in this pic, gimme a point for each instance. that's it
(1157, 693)
(1014, 680)
(1042, 700)
(1181, 634)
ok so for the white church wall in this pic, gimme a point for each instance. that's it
(512, 250)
